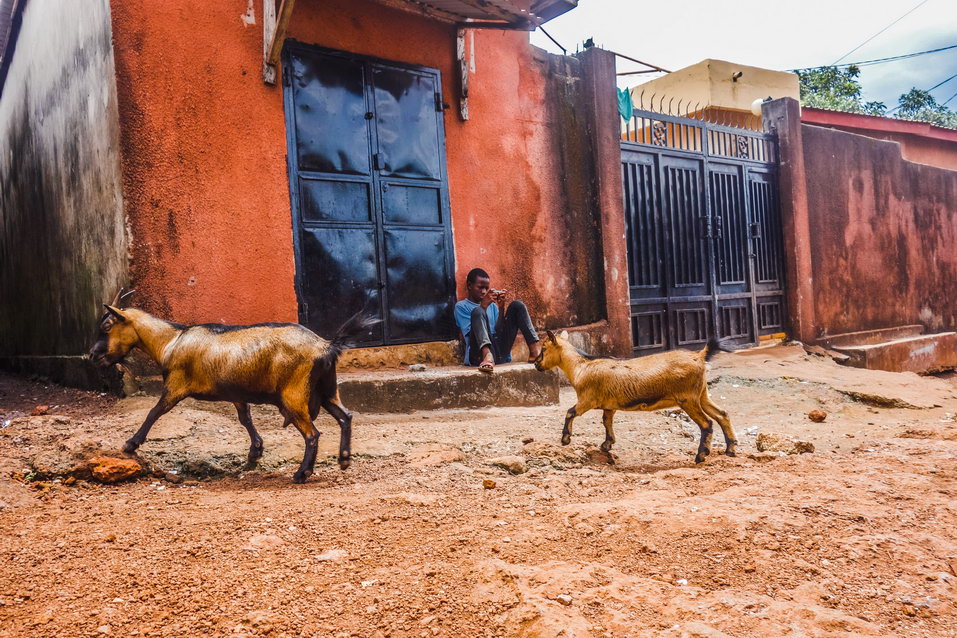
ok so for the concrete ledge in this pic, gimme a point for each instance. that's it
(444, 388)
(401, 391)
(921, 354)
(868, 337)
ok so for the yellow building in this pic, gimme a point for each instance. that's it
(715, 90)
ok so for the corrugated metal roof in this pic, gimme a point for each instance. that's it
(512, 12)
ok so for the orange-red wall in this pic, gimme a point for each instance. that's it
(205, 181)
(920, 142)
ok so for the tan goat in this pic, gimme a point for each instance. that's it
(655, 382)
(282, 364)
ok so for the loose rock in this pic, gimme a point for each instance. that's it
(777, 443)
(564, 599)
(107, 469)
(488, 484)
(817, 416)
(514, 464)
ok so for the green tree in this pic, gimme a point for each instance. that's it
(830, 87)
(921, 105)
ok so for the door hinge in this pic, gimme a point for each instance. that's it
(439, 104)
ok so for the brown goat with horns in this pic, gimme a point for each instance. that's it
(658, 381)
(283, 364)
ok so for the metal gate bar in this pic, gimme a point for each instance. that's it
(705, 254)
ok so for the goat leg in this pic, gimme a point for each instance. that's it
(567, 430)
(311, 438)
(698, 416)
(344, 418)
(166, 403)
(719, 415)
(255, 441)
(607, 418)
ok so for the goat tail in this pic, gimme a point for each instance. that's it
(714, 346)
(348, 333)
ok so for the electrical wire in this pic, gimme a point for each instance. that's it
(547, 35)
(939, 84)
(894, 58)
(918, 6)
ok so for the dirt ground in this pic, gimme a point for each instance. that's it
(858, 538)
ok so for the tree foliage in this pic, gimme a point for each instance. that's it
(921, 105)
(839, 89)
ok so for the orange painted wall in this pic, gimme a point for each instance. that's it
(920, 142)
(205, 178)
(203, 159)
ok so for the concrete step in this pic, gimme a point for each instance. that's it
(434, 388)
(921, 354)
(868, 337)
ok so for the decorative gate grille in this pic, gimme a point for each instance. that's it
(705, 252)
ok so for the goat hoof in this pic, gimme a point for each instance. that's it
(344, 464)
(566, 440)
(130, 447)
(699, 458)
(300, 477)
(605, 447)
(730, 452)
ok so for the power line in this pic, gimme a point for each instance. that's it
(948, 99)
(939, 84)
(879, 60)
(548, 35)
(942, 83)
(918, 6)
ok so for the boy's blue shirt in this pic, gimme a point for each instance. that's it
(463, 319)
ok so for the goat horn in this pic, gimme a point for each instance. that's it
(126, 294)
(116, 299)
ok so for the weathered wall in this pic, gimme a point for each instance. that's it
(883, 235)
(62, 235)
(919, 141)
(205, 175)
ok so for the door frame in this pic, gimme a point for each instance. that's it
(376, 180)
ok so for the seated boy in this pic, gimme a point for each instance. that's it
(489, 333)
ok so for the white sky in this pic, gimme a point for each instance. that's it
(773, 35)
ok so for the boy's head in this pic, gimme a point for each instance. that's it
(477, 284)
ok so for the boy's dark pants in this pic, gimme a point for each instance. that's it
(516, 319)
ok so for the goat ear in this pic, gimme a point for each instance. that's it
(116, 313)
(564, 334)
(550, 335)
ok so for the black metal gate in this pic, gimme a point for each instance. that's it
(705, 250)
(369, 194)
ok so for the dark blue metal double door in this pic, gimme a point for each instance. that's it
(704, 235)
(369, 194)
